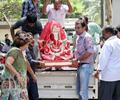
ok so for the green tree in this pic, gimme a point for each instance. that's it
(78, 8)
(11, 8)
(93, 10)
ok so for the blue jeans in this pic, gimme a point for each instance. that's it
(83, 75)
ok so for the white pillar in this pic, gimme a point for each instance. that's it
(115, 12)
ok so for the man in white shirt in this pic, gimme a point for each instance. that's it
(57, 11)
(109, 66)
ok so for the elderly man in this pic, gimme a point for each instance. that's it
(57, 11)
(109, 66)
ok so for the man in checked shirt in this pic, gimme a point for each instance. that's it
(30, 6)
(84, 53)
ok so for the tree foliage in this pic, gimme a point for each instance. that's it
(93, 10)
(11, 8)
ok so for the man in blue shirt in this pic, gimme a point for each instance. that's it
(32, 85)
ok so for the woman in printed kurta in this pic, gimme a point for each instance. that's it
(14, 82)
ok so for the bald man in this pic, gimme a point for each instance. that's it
(57, 11)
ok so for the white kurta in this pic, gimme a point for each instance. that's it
(109, 61)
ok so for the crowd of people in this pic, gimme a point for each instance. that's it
(23, 56)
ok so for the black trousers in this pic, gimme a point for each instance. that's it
(32, 90)
(109, 90)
